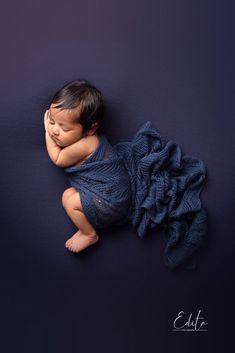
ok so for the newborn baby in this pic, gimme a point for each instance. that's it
(100, 192)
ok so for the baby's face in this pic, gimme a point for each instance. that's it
(61, 127)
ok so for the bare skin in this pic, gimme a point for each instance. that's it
(86, 235)
(67, 145)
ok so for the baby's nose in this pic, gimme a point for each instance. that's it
(55, 131)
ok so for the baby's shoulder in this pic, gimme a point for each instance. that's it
(88, 144)
(92, 142)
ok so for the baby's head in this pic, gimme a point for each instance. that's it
(76, 111)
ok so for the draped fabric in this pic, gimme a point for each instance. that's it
(166, 187)
(104, 186)
(150, 183)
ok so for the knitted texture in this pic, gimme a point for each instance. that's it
(103, 185)
(149, 182)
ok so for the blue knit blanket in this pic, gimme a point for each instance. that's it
(150, 183)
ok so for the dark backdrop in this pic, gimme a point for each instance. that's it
(171, 62)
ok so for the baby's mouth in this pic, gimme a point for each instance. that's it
(57, 141)
(54, 138)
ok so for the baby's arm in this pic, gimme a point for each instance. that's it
(67, 156)
(52, 148)
(74, 153)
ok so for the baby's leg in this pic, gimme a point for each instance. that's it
(67, 194)
(86, 235)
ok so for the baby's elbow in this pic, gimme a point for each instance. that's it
(60, 163)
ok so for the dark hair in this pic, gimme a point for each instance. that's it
(81, 94)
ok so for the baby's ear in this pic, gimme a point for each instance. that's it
(93, 129)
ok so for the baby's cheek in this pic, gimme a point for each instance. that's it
(50, 130)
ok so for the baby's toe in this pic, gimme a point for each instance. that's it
(68, 242)
(75, 248)
(68, 246)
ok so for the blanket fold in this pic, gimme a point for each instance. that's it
(165, 188)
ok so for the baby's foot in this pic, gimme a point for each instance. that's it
(80, 241)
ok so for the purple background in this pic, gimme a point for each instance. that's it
(171, 62)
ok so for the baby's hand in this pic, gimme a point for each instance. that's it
(46, 119)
